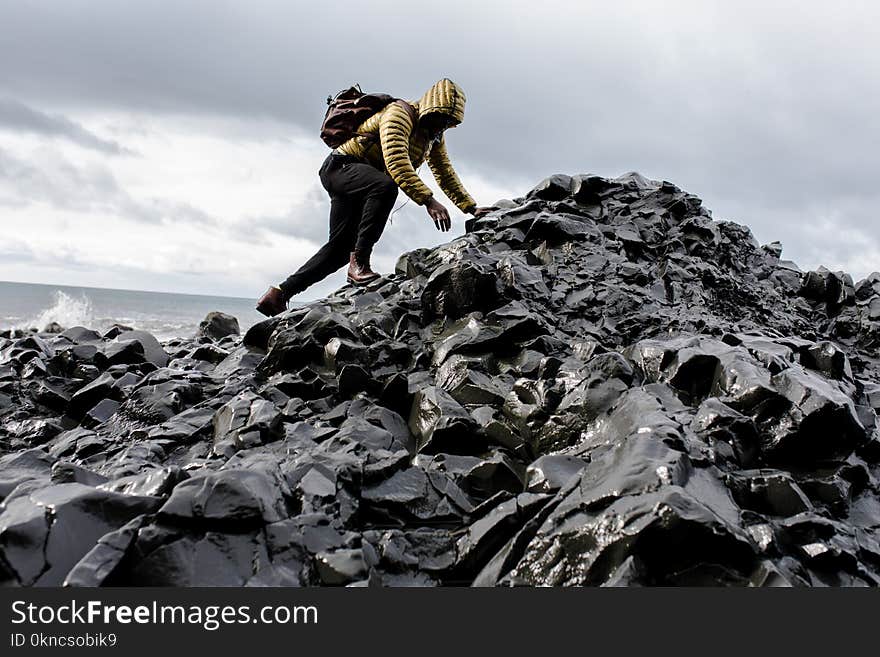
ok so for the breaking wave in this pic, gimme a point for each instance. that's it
(166, 316)
(66, 310)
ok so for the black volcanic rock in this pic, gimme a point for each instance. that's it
(597, 384)
(460, 287)
(226, 498)
(441, 424)
(135, 347)
(257, 336)
(44, 533)
(217, 326)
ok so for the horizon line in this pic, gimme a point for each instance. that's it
(121, 289)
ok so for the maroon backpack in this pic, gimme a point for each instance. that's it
(348, 110)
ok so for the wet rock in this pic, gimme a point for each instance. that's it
(522, 279)
(480, 477)
(116, 330)
(214, 558)
(86, 397)
(97, 566)
(554, 188)
(395, 394)
(70, 473)
(217, 326)
(187, 426)
(338, 352)
(551, 472)
(773, 493)
(34, 431)
(158, 482)
(153, 351)
(70, 442)
(560, 228)
(500, 431)
(440, 424)
(241, 361)
(52, 392)
(31, 465)
(718, 423)
(156, 400)
(123, 353)
(341, 566)
(465, 334)
(245, 421)
(468, 386)
(821, 423)
(359, 432)
(489, 534)
(210, 354)
(257, 336)
(413, 497)
(45, 533)
(833, 288)
(411, 265)
(868, 287)
(706, 548)
(100, 413)
(299, 339)
(81, 335)
(353, 379)
(827, 358)
(598, 385)
(460, 287)
(226, 498)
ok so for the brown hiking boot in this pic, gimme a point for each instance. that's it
(272, 303)
(359, 272)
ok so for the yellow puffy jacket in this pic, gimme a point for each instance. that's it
(391, 142)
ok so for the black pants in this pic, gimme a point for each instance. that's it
(361, 198)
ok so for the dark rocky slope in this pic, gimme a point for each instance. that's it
(597, 384)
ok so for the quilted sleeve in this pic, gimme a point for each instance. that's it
(441, 167)
(395, 128)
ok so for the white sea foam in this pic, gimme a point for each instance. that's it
(66, 310)
(166, 316)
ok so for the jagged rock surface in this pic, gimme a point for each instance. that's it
(597, 384)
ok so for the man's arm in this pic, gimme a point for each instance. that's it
(395, 128)
(441, 167)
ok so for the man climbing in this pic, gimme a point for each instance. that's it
(362, 177)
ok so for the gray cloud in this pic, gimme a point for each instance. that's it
(18, 116)
(57, 182)
(766, 110)
(86, 189)
(15, 251)
(305, 219)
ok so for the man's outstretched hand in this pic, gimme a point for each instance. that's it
(439, 214)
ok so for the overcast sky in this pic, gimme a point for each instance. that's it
(172, 145)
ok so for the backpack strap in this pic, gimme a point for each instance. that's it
(372, 139)
(409, 110)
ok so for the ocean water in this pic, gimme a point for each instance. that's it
(26, 305)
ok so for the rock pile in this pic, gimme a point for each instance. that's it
(597, 384)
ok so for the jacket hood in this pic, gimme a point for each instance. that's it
(445, 97)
